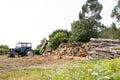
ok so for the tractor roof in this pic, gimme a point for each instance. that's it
(24, 43)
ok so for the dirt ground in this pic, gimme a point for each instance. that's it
(37, 61)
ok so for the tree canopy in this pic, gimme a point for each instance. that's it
(91, 10)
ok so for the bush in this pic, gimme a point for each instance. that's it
(58, 37)
(4, 49)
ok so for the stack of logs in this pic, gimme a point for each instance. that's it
(97, 48)
(103, 48)
(71, 50)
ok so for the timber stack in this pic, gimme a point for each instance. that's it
(71, 50)
(99, 48)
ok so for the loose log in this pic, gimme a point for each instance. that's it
(115, 47)
(106, 50)
(105, 40)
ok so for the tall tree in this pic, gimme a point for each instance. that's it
(116, 12)
(88, 25)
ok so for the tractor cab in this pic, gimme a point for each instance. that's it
(22, 46)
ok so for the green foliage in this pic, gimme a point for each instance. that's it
(4, 49)
(84, 29)
(88, 25)
(111, 32)
(57, 37)
(116, 12)
(76, 70)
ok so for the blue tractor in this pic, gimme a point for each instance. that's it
(22, 49)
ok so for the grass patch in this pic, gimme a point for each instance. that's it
(28, 74)
(76, 70)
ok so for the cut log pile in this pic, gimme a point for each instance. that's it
(95, 49)
(71, 50)
(103, 48)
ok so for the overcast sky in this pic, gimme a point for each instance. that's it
(32, 20)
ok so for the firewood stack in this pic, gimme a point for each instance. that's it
(71, 50)
(103, 48)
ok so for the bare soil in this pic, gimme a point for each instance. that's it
(37, 61)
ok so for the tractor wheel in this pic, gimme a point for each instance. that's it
(29, 52)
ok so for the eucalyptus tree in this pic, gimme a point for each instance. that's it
(88, 24)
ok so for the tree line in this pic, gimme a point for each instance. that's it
(88, 26)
